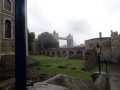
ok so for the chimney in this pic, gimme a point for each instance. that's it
(100, 35)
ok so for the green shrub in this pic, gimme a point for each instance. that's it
(73, 68)
(47, 65)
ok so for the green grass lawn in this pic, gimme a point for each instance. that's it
(50, 65)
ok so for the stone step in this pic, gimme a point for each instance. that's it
(7, 84)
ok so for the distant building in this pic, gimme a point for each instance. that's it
(69, 39)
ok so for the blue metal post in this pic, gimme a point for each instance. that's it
(98, 57)
(20, 45)
(99, 63)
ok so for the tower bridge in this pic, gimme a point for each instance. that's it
(69, 39)
(63, 38)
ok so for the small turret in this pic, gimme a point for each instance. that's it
(55, 35)
(114, 34)
(54, 32)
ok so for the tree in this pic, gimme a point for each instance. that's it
(31, 39)
(46, 40)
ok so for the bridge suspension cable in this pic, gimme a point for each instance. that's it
(74, 44)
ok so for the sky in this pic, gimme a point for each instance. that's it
(83, 19)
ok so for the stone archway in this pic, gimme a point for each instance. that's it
(64, 54)
(58, 54)
(53, 53)
(44, 53)
(40, 53)
(48, 53)
(71, 54)
(79, 54)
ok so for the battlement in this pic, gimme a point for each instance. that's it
(115, 35)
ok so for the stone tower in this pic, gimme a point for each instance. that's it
(55, 35)
(69, 41)
(115, 45)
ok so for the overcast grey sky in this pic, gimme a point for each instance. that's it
(84, 19)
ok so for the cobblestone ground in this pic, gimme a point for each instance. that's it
(114, 72)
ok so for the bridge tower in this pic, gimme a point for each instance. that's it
(69, 41)
(56, 36)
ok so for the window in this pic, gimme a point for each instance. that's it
(7, 5)
(7, 29)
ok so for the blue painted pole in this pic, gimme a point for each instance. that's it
(98, 56)
(20, 45)
(99, 63)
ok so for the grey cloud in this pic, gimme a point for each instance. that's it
(81, 26)
(80, 29)
(38, 22)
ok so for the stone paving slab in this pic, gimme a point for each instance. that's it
(114, 72)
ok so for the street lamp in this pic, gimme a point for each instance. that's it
(98, 51)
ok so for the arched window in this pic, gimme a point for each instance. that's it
(7, 29)
(7, 5)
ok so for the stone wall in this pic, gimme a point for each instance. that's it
(7, 65)
(90, 60)
(105, 44)
(115, 42)
(7, 44)
(110, 46)
(64, 52)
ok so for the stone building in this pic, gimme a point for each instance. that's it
(110, 46)
(7, 26)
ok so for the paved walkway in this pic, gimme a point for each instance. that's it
(114, 72)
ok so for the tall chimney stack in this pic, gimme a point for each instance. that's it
(100, 35)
